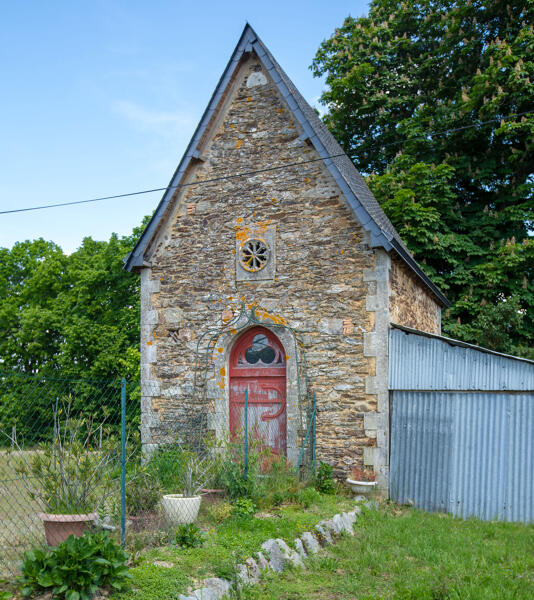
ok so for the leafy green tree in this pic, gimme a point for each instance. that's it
(73, 320)
(434, 102)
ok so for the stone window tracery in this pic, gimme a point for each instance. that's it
(254, 255)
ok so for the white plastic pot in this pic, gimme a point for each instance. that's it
(180, 509)
(361, 487)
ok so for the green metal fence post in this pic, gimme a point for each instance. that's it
(246, 434)
(123, 462)
(314, 417)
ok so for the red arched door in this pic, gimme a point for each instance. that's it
(258, 364)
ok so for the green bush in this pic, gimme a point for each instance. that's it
(143, 492)
(308, 497)
(244, 508)
(230, 473)
(76, 568)
(219, 512)
(75, 472)
(188, 536)
(279, 481)
(271, 479)
(168, 465)
(324, 480)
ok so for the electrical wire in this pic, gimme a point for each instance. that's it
(171, 187)
(255, 172)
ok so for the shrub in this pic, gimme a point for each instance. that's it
(271, 479)
(308, 497)
(181, 471)
(167, 465)
(220, 511)
(143, 492)
(279, 481)
(244, 508)
(188, 536)
(231, 470)
(76, 568)
(76, 471)
(324, 480)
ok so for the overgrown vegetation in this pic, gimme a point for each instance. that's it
(433, 101)
(226, 541)
(76, 568)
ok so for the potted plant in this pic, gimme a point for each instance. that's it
(362, 481)
(70, 477)
(191, 476)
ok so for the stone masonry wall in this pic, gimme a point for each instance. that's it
(410, 304)
(319, 287)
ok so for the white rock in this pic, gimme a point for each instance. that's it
(263, 563)
(276, 559)
(221, 586)
(255, 79)
(206, 593)
(310, 542)
(254, 572)
(349, 519)
(324, 535)
(299, 547)
(332, 526)
(289, 554)
(242, 574)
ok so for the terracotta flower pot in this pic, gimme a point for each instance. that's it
(59, 527)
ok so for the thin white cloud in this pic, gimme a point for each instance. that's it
(159, 122)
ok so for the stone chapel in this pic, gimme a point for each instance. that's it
(269, 267)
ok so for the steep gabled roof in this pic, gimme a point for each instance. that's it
(358, 195)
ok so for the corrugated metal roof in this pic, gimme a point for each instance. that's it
(366, 208)
(421, 361)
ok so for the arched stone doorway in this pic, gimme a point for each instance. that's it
(258, 364)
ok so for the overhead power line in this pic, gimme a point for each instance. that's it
(255, 172)
(171, 187)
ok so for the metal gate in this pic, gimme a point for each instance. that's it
(462, 428)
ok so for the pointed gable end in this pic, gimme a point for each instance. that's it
(355, 191)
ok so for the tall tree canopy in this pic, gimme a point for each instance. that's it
(73, 320)
(434, 102)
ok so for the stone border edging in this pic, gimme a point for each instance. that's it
(275, 555)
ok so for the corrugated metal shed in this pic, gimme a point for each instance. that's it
(462, 428)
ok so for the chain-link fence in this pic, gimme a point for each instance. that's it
(134, 459)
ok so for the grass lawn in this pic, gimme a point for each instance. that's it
(407, 554)
(225, 545)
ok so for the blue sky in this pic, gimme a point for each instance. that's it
(101, 98)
